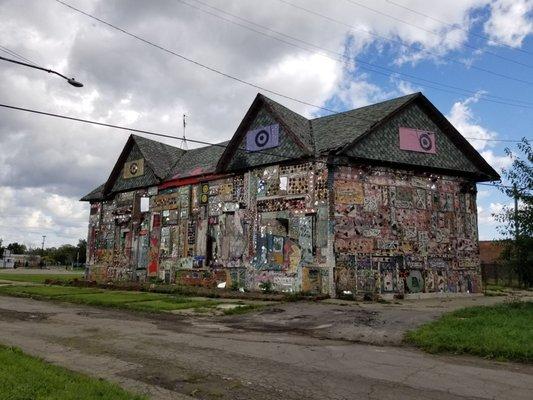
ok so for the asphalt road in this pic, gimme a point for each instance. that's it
(183, 357)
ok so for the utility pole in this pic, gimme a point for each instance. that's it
(42, 251)
(516, 227)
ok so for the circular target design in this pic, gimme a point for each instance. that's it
(261, 138)
(425, 141)
(204, 199)
(134, 168)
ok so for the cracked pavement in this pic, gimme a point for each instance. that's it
(288, 351)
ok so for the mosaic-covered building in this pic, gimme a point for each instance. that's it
(377, 200)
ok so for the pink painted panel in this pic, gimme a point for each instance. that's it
(417, 140)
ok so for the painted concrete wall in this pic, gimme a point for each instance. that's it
(269, 224)
(401, 232)
(300, 227)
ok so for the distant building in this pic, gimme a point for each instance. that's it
(490, 251)
(381, 199)
(10, 260)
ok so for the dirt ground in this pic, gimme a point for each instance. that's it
(327, 350)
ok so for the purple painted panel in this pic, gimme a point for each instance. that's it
(265, 137)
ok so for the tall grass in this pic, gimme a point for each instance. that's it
(502, 332)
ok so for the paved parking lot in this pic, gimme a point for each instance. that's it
(288, 351)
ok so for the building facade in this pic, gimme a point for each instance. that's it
(377, 200)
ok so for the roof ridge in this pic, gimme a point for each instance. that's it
(414, 94)
(135, 137)
(313, 140)
(298, 124)
(167, 151)
(282, 106)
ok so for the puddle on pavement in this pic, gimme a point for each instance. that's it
(229, 306)
(12, 315)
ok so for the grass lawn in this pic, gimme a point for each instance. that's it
(23, 377)
(503, 332)
(38, 278)
(140, 301)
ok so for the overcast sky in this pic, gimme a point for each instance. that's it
(46, 165)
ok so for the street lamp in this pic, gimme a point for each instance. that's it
(72, 81)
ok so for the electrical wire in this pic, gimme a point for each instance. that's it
(351, 27)
(87, 121)
(17, 55)
(344, 58)
(197, 63)
(498, 185)
(477, 49)
(194, 62)
(152, 133)
(457, 26)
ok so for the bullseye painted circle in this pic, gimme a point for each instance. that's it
(425, 141)
(261, 138)
(134, 168)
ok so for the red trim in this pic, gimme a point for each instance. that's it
(191, 180)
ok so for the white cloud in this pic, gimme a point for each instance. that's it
(27, 214)
(404, 87)
(497, 162)
(485, 215)
(482, 194)
(510, 21)
(305, 76)
(359, 93)
(462, 117)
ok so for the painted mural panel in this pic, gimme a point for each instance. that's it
(405, 233)
(389, 231)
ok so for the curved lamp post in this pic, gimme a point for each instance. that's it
(72, 81)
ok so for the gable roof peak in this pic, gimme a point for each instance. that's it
(296, 123)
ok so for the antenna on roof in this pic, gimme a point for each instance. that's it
(183, 144)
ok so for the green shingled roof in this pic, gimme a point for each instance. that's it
(298, 124)
(160, 156)
(95, 195)
(337, 130)
(199, 161)
(341, 133)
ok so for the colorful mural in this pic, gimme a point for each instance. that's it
(320, 212)
(399, 232)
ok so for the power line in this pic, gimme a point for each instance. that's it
(414, 78)
(191, 61)
(496, 140)
(401, 43)
(498, 185)
(17, 55)
(88, 121)
(438, 35)
(197, 63)
(457, 26)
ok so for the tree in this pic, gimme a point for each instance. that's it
(517, 222)
(1, 248)
(16, 248)
(65, 254)
(82, 251)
